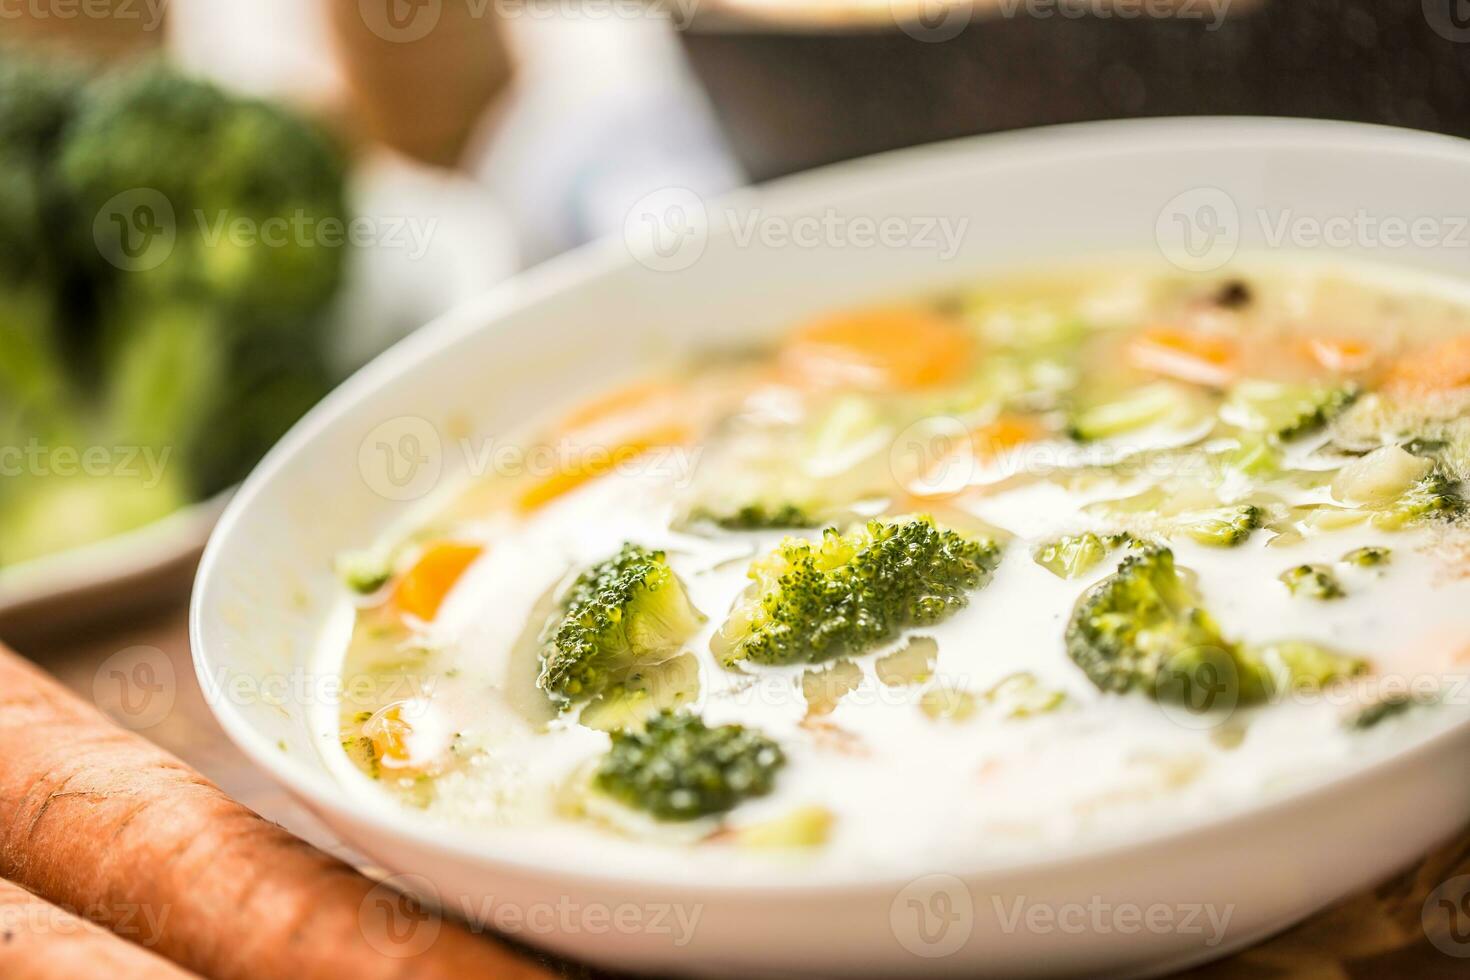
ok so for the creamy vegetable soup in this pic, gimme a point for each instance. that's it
(1038, 561)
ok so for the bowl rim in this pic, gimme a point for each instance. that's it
(568, 271)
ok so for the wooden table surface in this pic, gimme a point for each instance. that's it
(1380, 933)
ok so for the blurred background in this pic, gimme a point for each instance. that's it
(213, 211)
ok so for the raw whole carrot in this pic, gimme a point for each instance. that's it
(421, 590)
(895, 348)
(92, 816)
(39, 941)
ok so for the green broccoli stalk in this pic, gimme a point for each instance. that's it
(678, 768)
(622, 614)
(1143, 628)
(847, 593)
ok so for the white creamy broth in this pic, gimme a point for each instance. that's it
(915, 768)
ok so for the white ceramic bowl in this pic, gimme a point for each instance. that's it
(265, 597)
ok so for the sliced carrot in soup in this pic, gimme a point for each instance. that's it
(1442, 367)
(607, 433)
(1340, 355)
(1186, 355)
(423, 587)
(893, 348)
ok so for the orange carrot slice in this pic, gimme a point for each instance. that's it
(423, 587)
(1186, 355)
(893, 348)
(943, 480)
(607, 433)
(1442, 367)
(1340, 355)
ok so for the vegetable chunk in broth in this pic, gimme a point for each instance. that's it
(1045, 559)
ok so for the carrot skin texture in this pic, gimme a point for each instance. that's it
(92, 816)
(39, 941)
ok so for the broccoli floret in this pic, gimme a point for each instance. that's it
(1286, 411)
(1313, 581)
(847, 593)
(1143, 628)
(1431, 497)
(215, 159)
(177, 165)
(621, 614)
(760, 517)
(1370, 556)
(678, 768)
(1224, 527)
(1071, 556)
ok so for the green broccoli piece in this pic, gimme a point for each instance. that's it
(622, 614)
(1286, 411)
(1313, 581)
(177, 165)
(216, 159)
(1143, 628)
(1224, 527)
(760, 517)
(364, 572)
(1298, 664)
(678, 768)
(812, 601)
(1386, 706)
(1075, 554)
(1434, 496)
(1370, 556)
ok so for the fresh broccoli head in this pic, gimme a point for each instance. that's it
(1286, 411)
(622, 614)
(811, 601)
(1313, 581)
(678, 768)
(218, 161)
(1143, 628)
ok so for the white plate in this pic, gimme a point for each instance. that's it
(265, 599)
